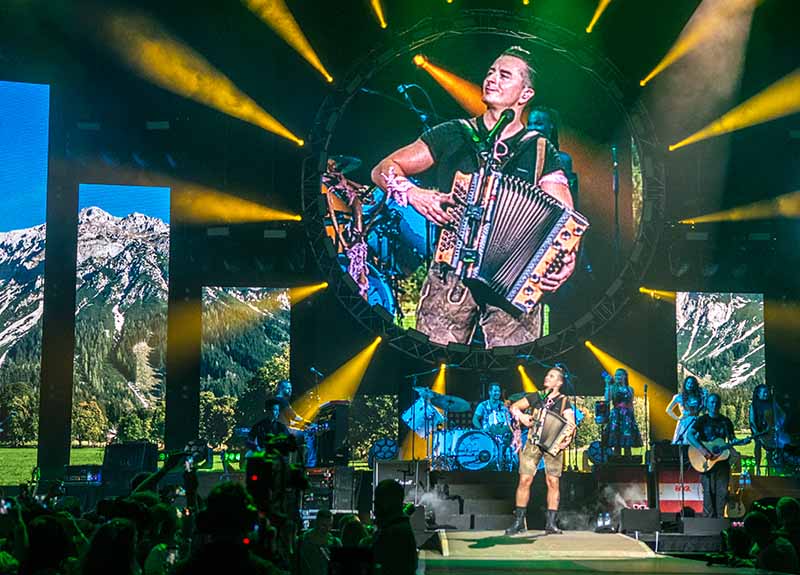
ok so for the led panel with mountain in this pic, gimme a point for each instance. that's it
(720, 338)
(121, 312)
(245, 352)
(24, 135)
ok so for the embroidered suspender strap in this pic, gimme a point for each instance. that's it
(563, 402)
(541, 147)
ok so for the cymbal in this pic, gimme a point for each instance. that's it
(346, 164)
(424, 391)
(450, 403)
(517, 396)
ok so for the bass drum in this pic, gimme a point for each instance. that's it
(477, 450)
(379, 291)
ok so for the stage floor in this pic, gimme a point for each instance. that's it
(570, 552)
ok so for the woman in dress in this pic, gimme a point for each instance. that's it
(766, 423)
(691, 403)
(622, 430)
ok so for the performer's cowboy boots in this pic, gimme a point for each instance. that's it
(551, 528)
(518, 527)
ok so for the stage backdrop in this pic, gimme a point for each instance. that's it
(24, 129)
(245, 353)
(720, 338)
(120, 313)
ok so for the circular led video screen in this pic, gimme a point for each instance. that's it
(469, 238)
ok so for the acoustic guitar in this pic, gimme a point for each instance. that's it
(719, 447)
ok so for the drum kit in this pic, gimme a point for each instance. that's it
(393, 240)
(450, 449)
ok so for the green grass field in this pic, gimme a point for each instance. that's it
(16, 463)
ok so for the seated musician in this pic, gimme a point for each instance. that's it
(271, 425)
(705, 429)
(550, 399)
(493, 412)
(289, 416)
(447, 310)
(767, 420)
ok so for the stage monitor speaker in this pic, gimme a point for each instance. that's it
(424, 539)
(705, 525)
(643, 520)
(410, 474)
(332, 445)
(123, 461)
(344, 489)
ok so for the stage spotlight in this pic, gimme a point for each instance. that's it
(155, 55)
(298, 294)
(342, 384)
(276, 15)
(527, 382)
(378, 9)
(784, 206)
(440, 383)
(778, 100)
(658, 397)
(197, 204)
(658, 294)
(467, 94)
(710, 17)
(601, 7)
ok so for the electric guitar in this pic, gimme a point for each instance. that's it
(719, 447)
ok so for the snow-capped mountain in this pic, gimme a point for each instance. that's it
(721, 337)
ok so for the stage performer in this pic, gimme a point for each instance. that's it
(550, 399)
(270, 426)
(767, 422)
(709, 427)
(447, 310)
(546, 121)
(691, 401)
(493, 411)
(289, 416)
(622, 431)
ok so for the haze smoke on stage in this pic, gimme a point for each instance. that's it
(342, 384)
(467, 94)
(658, 397)
(276, 15)
(712, 19)
(160, 58)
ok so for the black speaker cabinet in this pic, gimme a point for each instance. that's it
(704, 525)
(644, 520)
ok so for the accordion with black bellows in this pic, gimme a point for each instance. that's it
(508, 234)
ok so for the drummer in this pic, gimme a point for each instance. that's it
(492, 415)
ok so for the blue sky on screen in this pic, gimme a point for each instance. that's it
(24, 128)
(121, 201)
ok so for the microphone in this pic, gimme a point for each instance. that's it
(506, 117)
(316, 372)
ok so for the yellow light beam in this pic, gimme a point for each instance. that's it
(776, 101)
(707, 20)
(601, 7)
(658, 397)
(440, 383)
(276, 15)
(527, 383)
(414, 446)
(378, 9)
(197, 204)
(342, 384)
(467, 94)
(299, 293)
(151, 52)
(658, 294)
(784, 206)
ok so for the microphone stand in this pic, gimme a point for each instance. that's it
(615, 188)
(428, 432)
